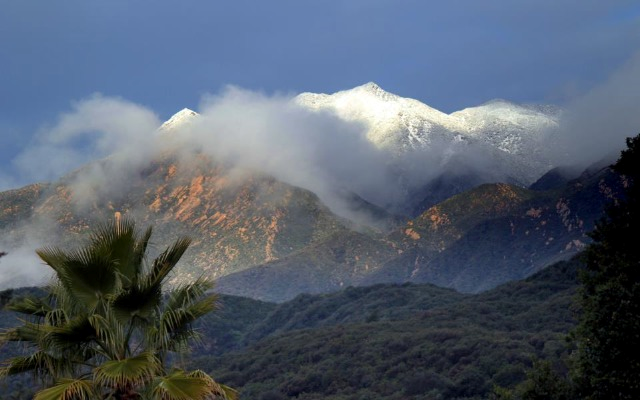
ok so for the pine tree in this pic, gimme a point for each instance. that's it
(608, 333)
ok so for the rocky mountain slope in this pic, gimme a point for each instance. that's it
(268, 239)
(471, 242)
(235, 222)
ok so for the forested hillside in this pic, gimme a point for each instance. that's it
(384, 341)
(402, 341)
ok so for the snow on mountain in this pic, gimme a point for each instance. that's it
(495, 142)
(398, 124)
(508, 126)
(392, 122)
(401, 124)
(181, 118)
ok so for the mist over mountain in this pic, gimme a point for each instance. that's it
(495, 142)
(277, 182)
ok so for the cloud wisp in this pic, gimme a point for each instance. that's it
(22, 267)
(315, 151)
(596, 124)
(96, 127)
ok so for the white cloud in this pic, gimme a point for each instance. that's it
(316, 151)
(96, 127)
(22, 267)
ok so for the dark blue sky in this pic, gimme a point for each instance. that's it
(166, 54)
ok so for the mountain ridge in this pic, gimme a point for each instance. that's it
(471, 242)
(498, 141)
(395, 113)
(255, 231)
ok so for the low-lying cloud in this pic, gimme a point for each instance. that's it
(95, 128)
(22, 267)
(596, 124)
(315, 151)
(318, 151)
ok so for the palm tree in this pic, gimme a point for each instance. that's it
(106, 330)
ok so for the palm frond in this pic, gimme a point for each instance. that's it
(180, 386)
(56, 317)
(216, 389)
(33, 306)
(201, 307)
(40, 363)
(127, 372)
(140, 251)
(186, 304)
(75, 333)
(111, 231)
(109, 335)
(187, 293)
(87, 275)
(28, 332)
(175, 325)
(139, 301)
(91, 275)
(228, 393)
(54, 257)
(119, 239)
(163, 334)
(60, 298)
(69, 389)
(167, 260)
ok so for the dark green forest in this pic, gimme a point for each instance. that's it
(384, 341)
(406, 341)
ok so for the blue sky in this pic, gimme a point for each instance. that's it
(165, 55)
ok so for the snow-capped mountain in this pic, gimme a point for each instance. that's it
(403, 125)
(509, 134)
(258, 229)
(507, 126)
(179, 119)
(393, 122)
(430, 155)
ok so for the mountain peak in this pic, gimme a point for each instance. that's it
(371, 86)
(498, 101)
(178, 119)
(392, 122)
(375, 90)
